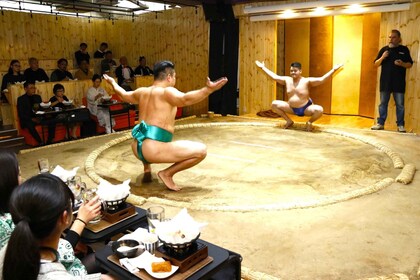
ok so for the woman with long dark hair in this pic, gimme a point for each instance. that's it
(9, 180)
(41, 209)
(12, 77)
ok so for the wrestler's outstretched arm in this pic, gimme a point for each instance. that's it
(320, 80)
(180, 99)
(280, 79)
(127, 96)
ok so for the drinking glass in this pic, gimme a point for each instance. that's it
(155, 215)
(89, 194)
(75, 185)
(43, 165)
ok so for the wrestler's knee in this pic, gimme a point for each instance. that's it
(201, 150)
(318, 109)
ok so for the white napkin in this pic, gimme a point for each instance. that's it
(64, 174)
(40, 112)
(139, 235)
(144, 260)
(110, 192)
(181, 229)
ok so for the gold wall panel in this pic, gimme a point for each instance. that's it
(347, 44)
(321, 50)
(297, 44)
(368, 72)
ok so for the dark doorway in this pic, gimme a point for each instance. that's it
(223, 56)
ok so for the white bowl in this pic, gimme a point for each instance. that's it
(67, 102)
(107, 98)
(45, 105)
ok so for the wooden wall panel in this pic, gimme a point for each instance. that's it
(368, 72)
(280, 92)
(320, 57)
(179, 35)
(297, 44)
(407, 22)
(257, 41)
(347, 42)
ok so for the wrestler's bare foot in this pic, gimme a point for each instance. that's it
(288, 124)
(309, 127)
(147, 177)
(168, 182)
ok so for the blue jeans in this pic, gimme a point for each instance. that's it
(383, 107)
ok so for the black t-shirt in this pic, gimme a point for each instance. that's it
(99, 54)
(81, 56)
(393, 76)
(59, 75)
(37, 75)
(54, 99)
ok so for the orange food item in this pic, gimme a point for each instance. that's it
(161, 266)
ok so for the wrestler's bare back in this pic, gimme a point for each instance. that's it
(154, 107)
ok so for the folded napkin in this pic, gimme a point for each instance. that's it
(110, 192)
(180, 229)
(40, 112)
(64, 174)
(140, 235)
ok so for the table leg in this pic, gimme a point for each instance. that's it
(110, 118)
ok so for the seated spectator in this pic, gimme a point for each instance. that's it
(34, 73)
(107, 63)
(83, 73)
(41, 209)
(13, 76)
(124, 74)
(100, 53)
(94, 96)
(142, 69)
(10, 179)
(57, 101)
(82, 54)
(61, 73)
(27, 105)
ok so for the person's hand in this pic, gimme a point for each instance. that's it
(259, 64)
(89, 210)
(385, 54)
(398, 62)
(216, 85)
(338, 66)
(109, 79)
(60, 99)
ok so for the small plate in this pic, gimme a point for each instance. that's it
(160, 275)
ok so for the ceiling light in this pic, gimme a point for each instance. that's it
(337, 11)
(320, 11)
(127, 4)
(289, 14)
(311, 5)
(355, 9)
